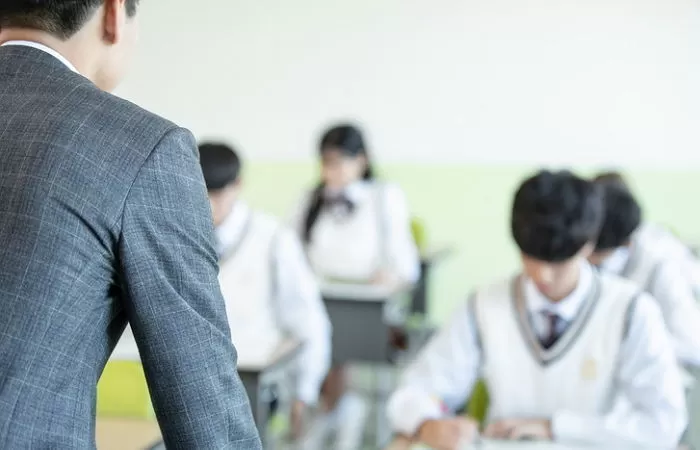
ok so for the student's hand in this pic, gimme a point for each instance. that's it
(518, 429)
(448, 434)
(298, 419)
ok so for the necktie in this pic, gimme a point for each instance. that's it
(552, 335)
(339, 204)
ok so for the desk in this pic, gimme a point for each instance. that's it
(404, 444)
(126, 434)
(255, 372)
(357, 315)
(428, 259)
(254, 375)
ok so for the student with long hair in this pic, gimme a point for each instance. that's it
(355, 228)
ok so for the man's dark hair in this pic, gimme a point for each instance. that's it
(555, 214)
(220, 164)
(623, 215)
(61, 18)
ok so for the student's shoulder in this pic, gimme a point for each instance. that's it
(497, 292)
(271, 224)
(615, 285)
(391, 190)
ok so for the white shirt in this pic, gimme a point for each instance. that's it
(670, 287)
(45, 49)
(449, 366)
(403, 257)
(661, 239)
(299, 306)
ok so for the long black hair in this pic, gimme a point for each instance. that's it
(347, 139)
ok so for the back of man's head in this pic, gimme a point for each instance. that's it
(555, 214)
(221, 165)
(60, 18)
(623, 215)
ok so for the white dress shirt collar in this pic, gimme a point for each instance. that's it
(45, 49)
(230, 232)
(566, 308)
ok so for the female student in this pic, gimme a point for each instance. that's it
(355, 228)
(568, 354)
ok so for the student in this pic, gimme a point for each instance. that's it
(622, 251)
(355, 228)
(568, 354)
(656, 236)
(268, 287)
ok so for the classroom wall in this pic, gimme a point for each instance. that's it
(439, 81)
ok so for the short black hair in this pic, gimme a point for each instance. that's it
(61, 18)
(220, 163)
(623, 215)
(555, 214)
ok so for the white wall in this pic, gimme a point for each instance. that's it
(560, 81)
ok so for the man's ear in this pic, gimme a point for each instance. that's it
(113, 20)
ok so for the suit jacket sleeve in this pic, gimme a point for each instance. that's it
(175, 307)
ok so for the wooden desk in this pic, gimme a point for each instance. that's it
(126, 434)
(357, 315)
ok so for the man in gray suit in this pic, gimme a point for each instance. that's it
(104, 218)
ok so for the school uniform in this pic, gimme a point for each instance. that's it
(661, 239)
(360, 231)
(656, 272)
(270, 293)
(597, 364)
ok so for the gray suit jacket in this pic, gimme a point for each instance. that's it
(104, 218)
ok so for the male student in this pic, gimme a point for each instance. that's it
(267, 284)
(567, 354)
(660, 237)
(622, 250)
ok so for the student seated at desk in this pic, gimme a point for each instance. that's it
(267, 284)
(355, 229)
(621, 251)
(568, 354)
(650, 235)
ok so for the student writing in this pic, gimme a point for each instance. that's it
(568, 354)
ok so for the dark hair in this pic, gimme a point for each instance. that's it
(555, 214)
(623, 215)
(61, 18)
(611, 178)
(220, 163)
(349, 141)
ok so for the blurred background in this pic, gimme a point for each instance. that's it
(460, 99)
